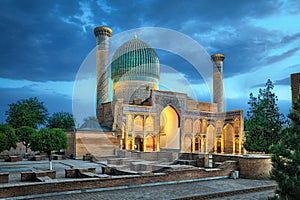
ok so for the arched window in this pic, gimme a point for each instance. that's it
(129, 123)
(197, 126)
(149, 124)
(204, 126)
(138, 123)
(188, 126)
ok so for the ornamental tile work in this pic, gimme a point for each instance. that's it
(147, 119)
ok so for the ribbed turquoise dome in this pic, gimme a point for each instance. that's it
(135, 60)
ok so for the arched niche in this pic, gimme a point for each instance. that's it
(169, 128)
(139, 123)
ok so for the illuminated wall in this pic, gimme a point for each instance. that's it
(170, 132)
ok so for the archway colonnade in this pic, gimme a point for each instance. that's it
(203, 137)
(151, 133)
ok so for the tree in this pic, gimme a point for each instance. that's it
(24, 134)
(29, 112)
(48, 140)
(263, 120)
(61, 120)
(286, 158)
(8, 138)
(92, 118)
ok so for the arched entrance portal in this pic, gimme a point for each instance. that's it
(138, 143)
(228, 138)
(150, 143)
(169, 129)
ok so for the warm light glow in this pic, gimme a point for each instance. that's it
(170, 132)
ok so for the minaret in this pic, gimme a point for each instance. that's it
(217, 60)
(102, 34)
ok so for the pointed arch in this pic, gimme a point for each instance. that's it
(150, 143)
(188, 143)
(129, 122)
(139, 123)
(210, 138)
(149, 124)
(228, 139)
(169, 128)
(197, 126)
(204, 126)
(188, 126)
(218, 127)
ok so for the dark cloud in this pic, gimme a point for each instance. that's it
(38, 45)
(48, 40)
(284, 55)
(290, 38)
(285, 81)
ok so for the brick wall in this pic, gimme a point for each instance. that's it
(81, 184)
(250, 166)
(255, 167)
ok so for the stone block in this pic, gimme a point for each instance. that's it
(35, 158)
(13, 159)
(27, 176)
(4, 177)
(32, 175)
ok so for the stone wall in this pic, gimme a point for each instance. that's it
(250, 166)
(33, 175)
(82, 184)
(255, 167)
(4, 177)
(149, 156)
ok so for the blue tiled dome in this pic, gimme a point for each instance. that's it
(135, 60)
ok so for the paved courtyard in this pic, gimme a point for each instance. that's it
(176, 191)
(154, 191)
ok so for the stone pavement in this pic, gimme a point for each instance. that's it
(176, 191)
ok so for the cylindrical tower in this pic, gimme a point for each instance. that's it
(102, 34)
(217, 60)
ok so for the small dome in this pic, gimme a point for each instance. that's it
(135, 60)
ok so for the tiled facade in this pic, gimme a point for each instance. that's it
(159, 120)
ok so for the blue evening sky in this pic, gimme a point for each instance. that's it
(44, 42)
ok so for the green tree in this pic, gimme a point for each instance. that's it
(286, 158)
(24, 134)
(61, 120)
(263, 120)
(48, 140)
(29, 112)
(8, 138)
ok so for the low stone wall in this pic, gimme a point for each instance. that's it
(81, 184)
(4, 177)
(32, 175)
(13, 159)
(201, 159)
(36, 158)
(225, 157)
(76, 172)
(149, 156)
(250, 166)
(255, 167)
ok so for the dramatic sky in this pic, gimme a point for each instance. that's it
(44, 43)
